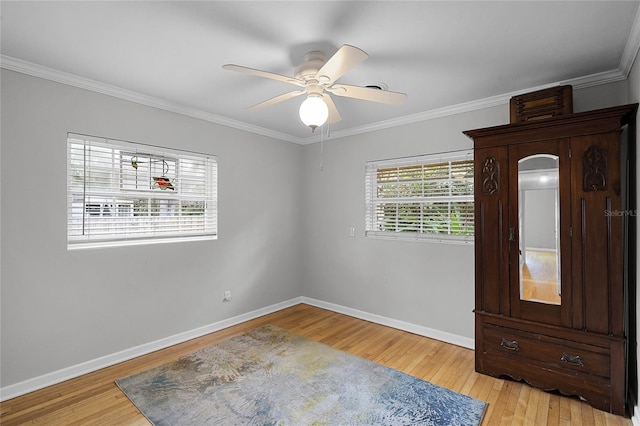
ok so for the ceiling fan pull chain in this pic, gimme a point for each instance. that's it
(321, 149)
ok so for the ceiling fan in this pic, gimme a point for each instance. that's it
(317, 78)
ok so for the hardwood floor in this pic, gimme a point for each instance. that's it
(540, 277)
(94, 399)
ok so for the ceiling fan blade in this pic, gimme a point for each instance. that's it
(276, 100)
(334, 115)
(264, 74)
(368, 94)
(342, 61)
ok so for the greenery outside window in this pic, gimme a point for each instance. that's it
(428, 197)
(121, 193)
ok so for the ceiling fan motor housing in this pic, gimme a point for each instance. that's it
(313, 61)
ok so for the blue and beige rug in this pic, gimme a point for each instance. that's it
(271, 376)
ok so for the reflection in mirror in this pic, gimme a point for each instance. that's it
(539, 222)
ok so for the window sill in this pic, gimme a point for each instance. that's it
(413, 237)
(73, 246)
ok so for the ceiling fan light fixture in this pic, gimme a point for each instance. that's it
(314, 111)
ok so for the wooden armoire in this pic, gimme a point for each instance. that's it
(552, 210)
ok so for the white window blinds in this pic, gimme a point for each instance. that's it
(124, 193)
(425, 197)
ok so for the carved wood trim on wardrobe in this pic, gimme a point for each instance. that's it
(491, 176)
(594, 168)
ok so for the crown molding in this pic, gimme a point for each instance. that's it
(503, 99)
(415, 118)
(35, 70)
(631, 48)
(18, 65)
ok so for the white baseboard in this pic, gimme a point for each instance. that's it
(59, 376)
(454, 339)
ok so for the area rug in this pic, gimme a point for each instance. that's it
(270, 376)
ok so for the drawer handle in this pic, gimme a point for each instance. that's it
(572, 359)
(511, 345)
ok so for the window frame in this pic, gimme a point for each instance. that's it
(113, 202)
(374, 202)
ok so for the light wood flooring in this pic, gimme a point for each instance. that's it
(94, 399)
(540, 277)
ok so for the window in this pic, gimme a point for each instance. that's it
(428, 197)
(124, 193)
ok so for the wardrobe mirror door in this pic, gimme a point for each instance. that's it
(539, 225)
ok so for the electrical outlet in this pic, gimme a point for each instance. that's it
(227, 296)
(352, 232)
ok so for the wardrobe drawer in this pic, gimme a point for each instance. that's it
(553, 352)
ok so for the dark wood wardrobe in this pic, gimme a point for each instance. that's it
(552, 214)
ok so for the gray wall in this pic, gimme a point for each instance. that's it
(62, 308)
(426, 284)
(539, 218)
(284, 231)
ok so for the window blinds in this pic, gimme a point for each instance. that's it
(123, 193)
(425, 197)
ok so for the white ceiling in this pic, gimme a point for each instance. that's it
(446, 55)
